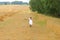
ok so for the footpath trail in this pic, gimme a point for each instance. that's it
(15, 26)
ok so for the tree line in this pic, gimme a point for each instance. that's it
(14, 2)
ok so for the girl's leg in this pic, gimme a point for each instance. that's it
(30, 25)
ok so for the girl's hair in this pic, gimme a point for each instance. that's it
(30, 17)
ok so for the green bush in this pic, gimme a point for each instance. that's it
(48, 7)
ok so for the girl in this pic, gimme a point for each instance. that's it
(30, 21)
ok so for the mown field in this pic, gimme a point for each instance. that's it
(14, 24)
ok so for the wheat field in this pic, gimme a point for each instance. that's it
(14, 24)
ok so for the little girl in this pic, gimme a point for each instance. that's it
(30, 22)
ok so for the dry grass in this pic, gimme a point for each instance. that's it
(14, 24)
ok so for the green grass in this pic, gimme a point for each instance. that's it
(41, 23)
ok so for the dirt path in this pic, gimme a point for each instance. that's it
(16, 27)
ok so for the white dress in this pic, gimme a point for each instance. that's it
(30, 21)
